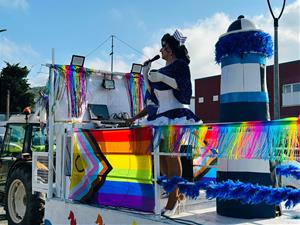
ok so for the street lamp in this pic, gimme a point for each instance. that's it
(276, 70)
(2, 30)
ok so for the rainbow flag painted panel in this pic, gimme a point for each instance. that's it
(129, 181)
(89, 167)
(136, 141)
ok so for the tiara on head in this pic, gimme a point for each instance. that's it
(179, 37)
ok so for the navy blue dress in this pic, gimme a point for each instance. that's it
(173, 102)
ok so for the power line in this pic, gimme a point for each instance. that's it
(125, 43)
(98, 47)
(128, 45)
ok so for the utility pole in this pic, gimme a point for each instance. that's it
(2, 30)
(7, 104)
(276, 67)
(112, 54)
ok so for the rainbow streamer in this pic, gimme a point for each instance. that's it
(275, 140)
(136, 92)
(73, 79)
(128, 182)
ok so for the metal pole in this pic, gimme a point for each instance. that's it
(7, 104)
(51, 129)
(276, 94)
(112, 54)
(8, 93)
(63, 165)
(276, 73)
(156, 175)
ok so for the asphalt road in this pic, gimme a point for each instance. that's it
(3, 220)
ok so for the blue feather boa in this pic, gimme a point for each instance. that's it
(244, 42)
(288, 170)
(246, 193)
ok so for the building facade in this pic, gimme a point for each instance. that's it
(207, 93)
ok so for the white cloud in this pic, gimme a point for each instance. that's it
(14, 4)
(14, 53)
(200, 43)
(203, 35)
(119, 65)
(288, 31)
(25, 55)
(39, 76)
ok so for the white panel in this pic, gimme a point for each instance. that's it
(96, 94)
(40, 172)
(240, 78)
(224, 82)
(249, 165)
(232, 78)
(59, 213)
(252, 77)
(116, 99)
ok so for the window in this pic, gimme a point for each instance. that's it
(215, 98)
(287, 88)
(13, 143)
(201, 99)
(39, 138)
(291, 94)
(296, 87)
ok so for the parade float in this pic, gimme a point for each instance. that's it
(105, 173)
(100, 171)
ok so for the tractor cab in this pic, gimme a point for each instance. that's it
(23, 135)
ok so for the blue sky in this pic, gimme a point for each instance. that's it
(79, 27)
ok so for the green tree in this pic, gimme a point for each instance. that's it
(13, 77)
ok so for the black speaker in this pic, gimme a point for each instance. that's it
(187, 163)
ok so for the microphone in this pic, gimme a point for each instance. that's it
(151, 60)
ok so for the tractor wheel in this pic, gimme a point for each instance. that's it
(22, 207)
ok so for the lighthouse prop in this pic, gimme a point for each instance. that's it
(242, 53)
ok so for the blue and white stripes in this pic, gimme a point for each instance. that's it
(242, 52)
(243, 88)
(179, 37)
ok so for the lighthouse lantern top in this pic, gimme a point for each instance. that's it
(241, 25)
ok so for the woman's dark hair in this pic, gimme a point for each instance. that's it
(180, 51)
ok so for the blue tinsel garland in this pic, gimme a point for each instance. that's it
(247, 193)
(244, 42)
(288, 170)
